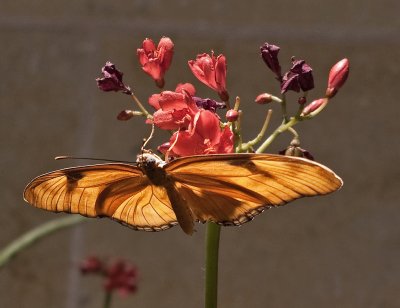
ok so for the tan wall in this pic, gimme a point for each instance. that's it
(338, 251)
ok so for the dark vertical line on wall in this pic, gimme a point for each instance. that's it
(85, 139)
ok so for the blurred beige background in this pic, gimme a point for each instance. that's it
(342, 250)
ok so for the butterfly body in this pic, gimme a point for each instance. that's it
(228, 189)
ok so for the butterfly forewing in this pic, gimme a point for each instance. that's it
(119, 191)
(246, 184)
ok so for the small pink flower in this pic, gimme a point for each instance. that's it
(204, 136)
(337, 77)
(156, 61)
(211, 71)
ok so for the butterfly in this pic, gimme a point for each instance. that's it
(153, 195)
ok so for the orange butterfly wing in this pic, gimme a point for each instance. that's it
(118, 191)
(233, 188)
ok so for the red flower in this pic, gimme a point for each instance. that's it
(211, 71)
(187, 87)
(174, 110)
(183, 88)
(337, 77)
(121, 276)
(156, 61)
(204, 136)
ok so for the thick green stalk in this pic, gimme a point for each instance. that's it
(212, 247)
(27, 239)
(107, 299)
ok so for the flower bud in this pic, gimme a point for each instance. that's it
(263, 98)
(294, 149)
(232, 115)
(302, 100)
(91, 264)
(125, 115)
(314, 106)
(337, 77)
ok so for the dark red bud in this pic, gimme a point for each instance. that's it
(125, 115)
(263, 98)
(302, 100)
(232, 115)
(91, 265)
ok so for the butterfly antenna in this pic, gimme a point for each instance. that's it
(91, 158)
(172, 146)
(148, 139)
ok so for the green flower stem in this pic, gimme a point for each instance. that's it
(294, 132)
(284, 110)
(283, 127)
(236, 129)
(27, 239)
(245, 147)
(107, 300)
(141, 107)
(276, 99)
(237, 103)
(212, 247)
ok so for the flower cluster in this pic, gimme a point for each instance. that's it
(118, 276)
(193, 121)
